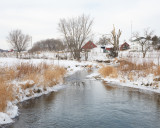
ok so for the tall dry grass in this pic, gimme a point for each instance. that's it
(157, 71)
(108, 71)
(142, 69)
(130, 70)
(53, 75)
(6, 94)
(127, 66)
(41, 75)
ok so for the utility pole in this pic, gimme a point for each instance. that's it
(31, 41)
(131, 30)
(31, 47)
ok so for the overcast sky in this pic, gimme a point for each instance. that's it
(39, 18)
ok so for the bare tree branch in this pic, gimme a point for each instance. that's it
(76, 31)
(18, 40)
(144, 41)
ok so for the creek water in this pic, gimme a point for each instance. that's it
(86, 103)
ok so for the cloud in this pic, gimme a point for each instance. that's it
(40, 18)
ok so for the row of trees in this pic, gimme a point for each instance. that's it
(48, 45)
(76, 31)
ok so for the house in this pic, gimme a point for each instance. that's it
(124, 46)
(88, 46)
(97, 49)
(136, 46)
(11, 50)
(109, 47)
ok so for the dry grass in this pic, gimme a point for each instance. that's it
(131, 76)
(157, 71)
(27, 85)
(129, 70)
(42, 75)
(108, 71)
(127, 66)
(24, 69)
(53, 75)
(143, 69)
(6, 94)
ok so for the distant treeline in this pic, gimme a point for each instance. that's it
(48, 45)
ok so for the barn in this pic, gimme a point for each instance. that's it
(124, 46)
(88, 46)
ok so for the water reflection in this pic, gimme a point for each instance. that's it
(86, 103)
(108, 87)
(144, 98)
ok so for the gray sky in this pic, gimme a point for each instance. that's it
(39, 18)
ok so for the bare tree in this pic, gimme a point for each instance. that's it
(114, 40)
(18, 40)
(144, 41)
(103, 40)
(76, 31)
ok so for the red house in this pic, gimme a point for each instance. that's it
(124, 46)
(109, 47)
(88, 46)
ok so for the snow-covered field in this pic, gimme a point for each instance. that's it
(92, 56)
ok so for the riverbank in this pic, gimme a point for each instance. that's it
(33, 84)
(144, 75)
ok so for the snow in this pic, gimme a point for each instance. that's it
(139, 83)
(4, 118)
(72, 67)
(12, 109)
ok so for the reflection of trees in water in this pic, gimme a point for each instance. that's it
(108, 86)
(143, 95)
(77, 83)
(36, 102)
(133, 94)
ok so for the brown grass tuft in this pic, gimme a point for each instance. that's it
(27, 85)
(53, 75)
(6, 94)
(129, 66)
(157, 71)
(108, 71)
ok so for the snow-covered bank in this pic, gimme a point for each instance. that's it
(12, 109)
(146, 83)
(35, 90)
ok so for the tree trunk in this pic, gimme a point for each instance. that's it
(17, 54)
(86, 55)
(144, 54)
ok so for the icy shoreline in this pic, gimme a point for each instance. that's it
(12, 109)
(134, 84)
(72, 67)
